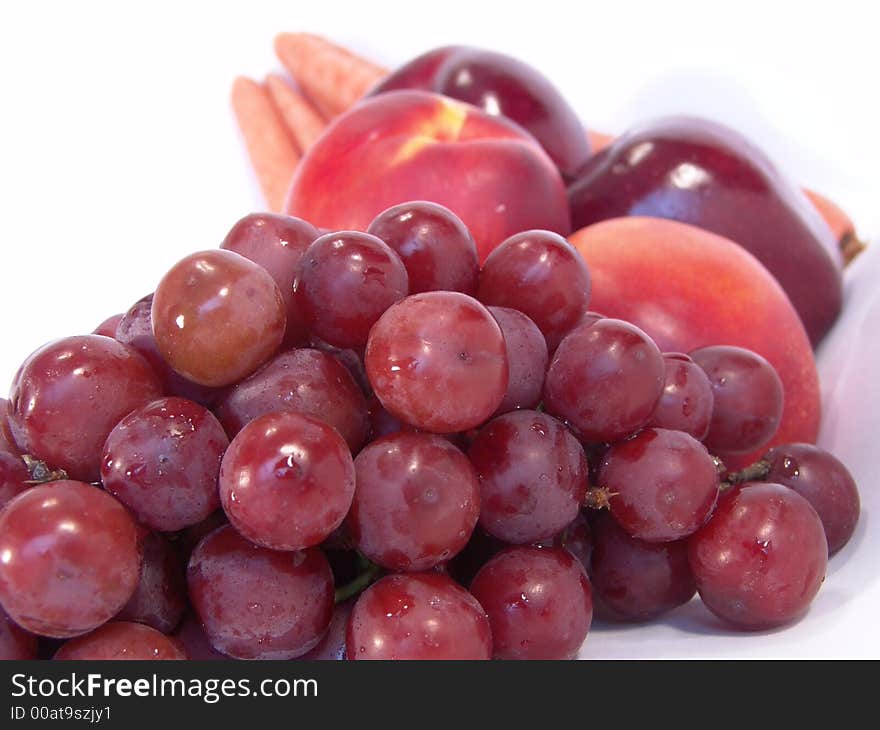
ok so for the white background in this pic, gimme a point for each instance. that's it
(119, 155)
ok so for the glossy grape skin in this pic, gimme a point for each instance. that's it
(160, 598)
(352, 360)
(434, 245)
(343, 284)
(500, 85)
(637, 580)
(70, 393)
(699, 172)
(748, 398)
(761, 559)
(417, 616)
(15, 642)
(122, 640)
(136, 329)
(332, 646)
(576, 537)
(71, 558)
(527, 359)
(277, 243)
(162, 462)
(416, 503)
(256, 603)
(107, 328)
(287, 481)
(533, 476)
(13, 475)
(663, 484)
(438, 361)
(542, 275)
(195, 642)
(303, 380)
(821, 479)
(605, 380)
(7, 442)
(539, 603)
(687, 400)
(217, 317)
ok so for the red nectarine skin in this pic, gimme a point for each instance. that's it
(688, 288)
(413, 145)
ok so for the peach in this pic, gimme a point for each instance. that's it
(415, 145)
(688, 288)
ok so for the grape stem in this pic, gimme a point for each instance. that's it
(598, 498)
(752, 473)
(368, 575)
(40, 472)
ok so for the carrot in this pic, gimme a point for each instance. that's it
(839, 222)
(332, 77)
(303, 121)
(274, 155)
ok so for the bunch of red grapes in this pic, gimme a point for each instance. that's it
(365, 445)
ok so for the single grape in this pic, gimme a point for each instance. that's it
(542, 275)
(332, 646)
(416, 503)
(417, 616)
(576, 537)
(217, 317)
(434, 245)
(15, 642)
(437, 360)
(663, 484)
(277, 243)
(136, 329)
(69, 558)
(605, 380)
(539, 603)
(162, 462)
(533, 476)
(687, 400)
(256, 603)
(527, 359)
(303, 380)
(748, 398)
(69, 394)
(343, 284)
(821, 479)
(13, 476)
(761, 559)
(160, 598)
(122, 640)
(634, 579)
(287, 481)
(107, 328)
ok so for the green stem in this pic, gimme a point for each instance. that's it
(370, 573)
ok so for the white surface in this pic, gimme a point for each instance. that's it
(119, 155)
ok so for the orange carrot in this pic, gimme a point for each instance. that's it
(599, 140)
(332, 77)
(302, 120)
(840, 224)
(274, 155)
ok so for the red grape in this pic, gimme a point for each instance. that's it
(605, 380)
(577, 538)
(69, 558)
(287, 481)
(542, 275)
(15, 642)
(277, 243)
(436, 248)
(663, 484)
(418, 616)
(256, 603)
(824, 482)
(69, 394)
(437, 360)
(416, 503)
(160, 597)
(748, 398)
(195, 642)
(761, 559)
(7, 442)
(217, 317)
(13, 475)
(533, 476)
(332, 646)
(344, 283)
(539, 603)
(162, 462)
(107, 328)
(122, 640)
(687, 400)
(634, 579)
(526, 358)
(303, 380)
(352, 360)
